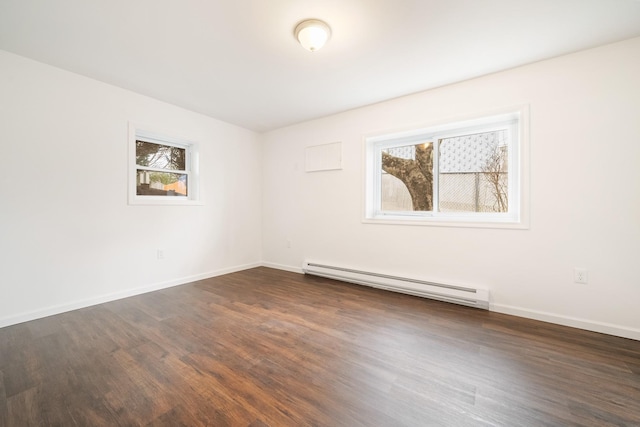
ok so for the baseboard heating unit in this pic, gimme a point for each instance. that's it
(464, 295)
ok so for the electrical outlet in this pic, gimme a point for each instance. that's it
(580, 275)
(160, 254)
(288, 243)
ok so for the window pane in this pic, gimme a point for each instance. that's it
(160, 183)
(407, 178)
(473, 173)
(160, 156)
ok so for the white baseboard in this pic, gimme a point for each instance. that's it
(283, 267)
(63, 308)
(232, 270)
(601, 327)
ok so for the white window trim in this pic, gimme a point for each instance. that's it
(191, 161)
(517, 218)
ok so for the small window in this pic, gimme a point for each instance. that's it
(466, 172)
(163, 169)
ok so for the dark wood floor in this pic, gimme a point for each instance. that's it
(270, 348)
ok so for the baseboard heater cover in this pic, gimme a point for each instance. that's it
(464, 295)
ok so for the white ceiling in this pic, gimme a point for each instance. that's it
(237, 60)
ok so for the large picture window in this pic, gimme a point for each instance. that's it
(163, 169)
(464, 172)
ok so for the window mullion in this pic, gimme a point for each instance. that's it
(436, 176)
(377, 198)
(513, 168)
(176, 171)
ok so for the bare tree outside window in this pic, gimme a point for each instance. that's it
(416, 173)
(496, 174)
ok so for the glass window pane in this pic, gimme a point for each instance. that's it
(473, 173)
(407, 178)
(160, 156)
(150, 183)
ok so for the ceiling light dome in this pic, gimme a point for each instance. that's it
(312, 34)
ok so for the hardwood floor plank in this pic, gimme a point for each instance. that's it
(21, 409)
(264, 347)
(4, 410)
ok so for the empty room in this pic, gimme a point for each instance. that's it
(319, 213)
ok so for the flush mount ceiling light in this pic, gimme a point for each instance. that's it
(312, 34)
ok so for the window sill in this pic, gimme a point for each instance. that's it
(165, 202)
(460, 222)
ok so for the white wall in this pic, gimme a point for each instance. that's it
(68, 238)
(585, 193)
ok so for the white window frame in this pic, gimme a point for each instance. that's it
(513, 119)
(192, 153)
